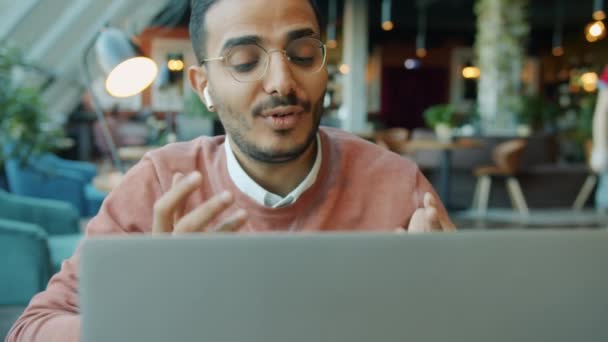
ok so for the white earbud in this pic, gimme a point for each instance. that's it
(208, 100)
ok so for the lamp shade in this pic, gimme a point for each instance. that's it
(127, 73)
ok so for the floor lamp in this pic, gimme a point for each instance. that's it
(126, 74)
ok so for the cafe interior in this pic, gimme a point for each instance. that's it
(494, 100)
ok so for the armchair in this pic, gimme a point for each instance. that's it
(36, 235)
(48, 176)
(25, 265)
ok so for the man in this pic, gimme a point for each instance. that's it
(262, 69)
(599, 157)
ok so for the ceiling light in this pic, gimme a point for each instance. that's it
(598, 10)
(589, 81)
(412, 63)
(557, 51)
(471, 72)
(595, 31)
(387, 21)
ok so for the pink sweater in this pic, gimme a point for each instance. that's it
(360, 186)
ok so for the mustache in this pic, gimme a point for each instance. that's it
(281, 101)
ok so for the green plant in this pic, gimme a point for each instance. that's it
(538, 112)
(502, 32)
(193, 106)
(25, 128)
(439, 114)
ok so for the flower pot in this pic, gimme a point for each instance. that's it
(443, 133)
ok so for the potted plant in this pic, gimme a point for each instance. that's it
(26, 129)
(440, 118)
(196, 119)
(538, 113)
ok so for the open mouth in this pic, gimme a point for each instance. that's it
(283, 121)
(283, 118)
(282, 115)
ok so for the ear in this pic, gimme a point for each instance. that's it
(197, 75)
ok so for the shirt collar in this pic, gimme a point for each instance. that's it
(262, 196)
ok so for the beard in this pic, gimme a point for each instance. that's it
(238, 127)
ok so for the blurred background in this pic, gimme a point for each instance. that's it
(443, 82)
(494, 99)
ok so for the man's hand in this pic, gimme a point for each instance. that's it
(429, 218)
(169, 216)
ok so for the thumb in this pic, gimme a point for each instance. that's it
(418, 222)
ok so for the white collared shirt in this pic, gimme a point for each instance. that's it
(262, 196)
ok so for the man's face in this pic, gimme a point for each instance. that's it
(273, 119)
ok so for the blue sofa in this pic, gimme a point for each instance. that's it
(48, 176)
(36, 235)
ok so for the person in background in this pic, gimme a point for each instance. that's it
(599, 155)
(262, 69)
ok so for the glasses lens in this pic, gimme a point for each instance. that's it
(307, 54)
(246, 63)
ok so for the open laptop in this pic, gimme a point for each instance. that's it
(468, 286)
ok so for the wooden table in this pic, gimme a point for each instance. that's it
(107, 181)
(445, 167)
(134, 153)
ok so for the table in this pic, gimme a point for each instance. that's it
(446, 149)
(107, 181)
(134, 153)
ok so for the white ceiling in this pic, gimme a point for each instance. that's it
(53, 35)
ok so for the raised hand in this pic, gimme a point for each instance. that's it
(169, 216)
(429, 218)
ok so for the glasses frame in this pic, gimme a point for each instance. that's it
(223, 58)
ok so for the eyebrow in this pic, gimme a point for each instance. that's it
(256, 40)
(244, 40)
(301, 33)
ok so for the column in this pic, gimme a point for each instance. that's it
(502, 28)
(353, 113)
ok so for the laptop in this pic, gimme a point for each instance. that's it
(339, 287)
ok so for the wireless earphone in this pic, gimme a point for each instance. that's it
(208, 100)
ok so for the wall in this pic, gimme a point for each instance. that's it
(156, 43)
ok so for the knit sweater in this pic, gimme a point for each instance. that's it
(360, 187)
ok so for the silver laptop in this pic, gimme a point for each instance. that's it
(473, 287)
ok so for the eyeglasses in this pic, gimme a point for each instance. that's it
(249, 63)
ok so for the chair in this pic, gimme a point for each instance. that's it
(48, 176)
(506, 157)
(36, 235)
(590, 181)
(25, 266)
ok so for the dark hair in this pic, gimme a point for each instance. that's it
(198, 12)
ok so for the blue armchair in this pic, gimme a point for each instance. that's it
(48, 176)
(25, 265)
(36, 235)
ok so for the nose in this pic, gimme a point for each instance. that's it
(279, 79)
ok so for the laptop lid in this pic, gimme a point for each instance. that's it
(468, 286)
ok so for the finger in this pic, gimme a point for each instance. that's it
(431, 213)
(165, 207)
(233, 223)
(417, 222)
(432, 219)
(198, 220)
(444, 222)
(177, 177)
(429, 200)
